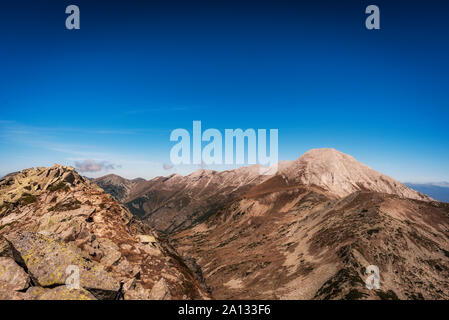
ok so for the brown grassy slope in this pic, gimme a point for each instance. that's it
(304, 244)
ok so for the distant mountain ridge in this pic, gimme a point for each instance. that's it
(176, 202)
(311, 230)
(437, 190)
(120, 188)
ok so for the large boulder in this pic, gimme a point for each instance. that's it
(47, 259)
(137, 292)
(63, 293)
(13, 274)
(111, 252)
(7, 292)
(160, 291)
(33, 293)
(56, 224)
(147, 239)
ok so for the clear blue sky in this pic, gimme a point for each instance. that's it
(114, 90)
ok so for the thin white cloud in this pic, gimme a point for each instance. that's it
(167, 166)
(91, 165)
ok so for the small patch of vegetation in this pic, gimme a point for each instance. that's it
(354, 294)
(305, 269)
(419, 296)
(238, 214)
(5, 207)
(372, 231)
(332, 287)
(389, 295)
(189, 289)
(226, 242)
(7, 224)
(59, 186)
(72, 205)
(254, 244)
(446, 253)
(26, 199)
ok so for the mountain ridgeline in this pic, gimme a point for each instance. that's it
(438, 191)
(310, 231)
(176, 202)
(307, 232)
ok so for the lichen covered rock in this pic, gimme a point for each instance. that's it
(47, 260)
(12, 273)
(63, 293)
(7, 292)
(52, 218)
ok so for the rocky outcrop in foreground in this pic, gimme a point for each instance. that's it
(56, 225)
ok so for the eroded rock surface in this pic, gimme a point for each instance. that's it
(48, 259)
(13, 274)
(51, 218)
(305, 243)
(174, 203)
(63, 293)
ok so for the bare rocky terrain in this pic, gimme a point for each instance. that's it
(307, 232)
(173, 203)
(301, 243)
(177, 202)
(52, 218)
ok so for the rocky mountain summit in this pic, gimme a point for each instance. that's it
(52, 220)
(341, 174)
(176, 202)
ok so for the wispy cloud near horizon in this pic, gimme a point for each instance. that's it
(91, 165)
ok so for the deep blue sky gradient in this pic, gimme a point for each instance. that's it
(114, 90)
